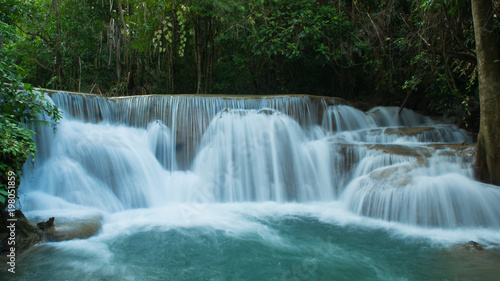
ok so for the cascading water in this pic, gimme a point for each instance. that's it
(223, 188)
(263, 156)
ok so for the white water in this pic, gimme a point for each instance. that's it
(219, 188)
(149, 152)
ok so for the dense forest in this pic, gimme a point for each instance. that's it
(415, 53)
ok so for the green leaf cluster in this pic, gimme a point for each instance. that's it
(21, 109)
(295, 29)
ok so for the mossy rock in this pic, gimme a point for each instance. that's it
(26, 234)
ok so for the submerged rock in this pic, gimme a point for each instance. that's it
(471, 261)
(69, 229)
(473, 246)
(460, 151)
(408, 131)
(403, 150)
(464, 150)
(395, 175)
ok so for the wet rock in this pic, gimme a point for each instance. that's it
(465, 150)
(267, 111)
(473, 246)
(403, 150)
(408, 131)
(471, 261)
(24, 233)
(46, 225)
(394, 176)
(75, 228)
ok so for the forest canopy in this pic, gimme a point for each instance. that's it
(415, 53)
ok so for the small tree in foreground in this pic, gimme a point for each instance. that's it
(20, 110)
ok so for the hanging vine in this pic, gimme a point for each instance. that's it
(170, 39)
(115, 38)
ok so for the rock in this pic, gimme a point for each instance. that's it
(473, 246)
(463, 150)
(70, 227)
(394, 176)
(25, 233)
(403, 150)
(408, 131)
(47, 224)
(468, 259)
(267, 111)
(75, 229)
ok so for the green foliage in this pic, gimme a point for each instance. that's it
(372, 50)
(20, 109)
(64, 44)
(444, 61)
(23, 106)
(281, 47)
(9, 10)
(294, 29)
(16, 146)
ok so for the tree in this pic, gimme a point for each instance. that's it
(488, 143)
(443, 66)
(20, 109)
(288, 46)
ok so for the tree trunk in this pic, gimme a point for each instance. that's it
(199, 55)
(58, 47)
(488, 143)
(204, 34)
(123, 38)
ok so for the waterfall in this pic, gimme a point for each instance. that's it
(116, 154)
(263, 155)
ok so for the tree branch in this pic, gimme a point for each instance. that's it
(418, 33)
(42, 66)
(50, 43)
